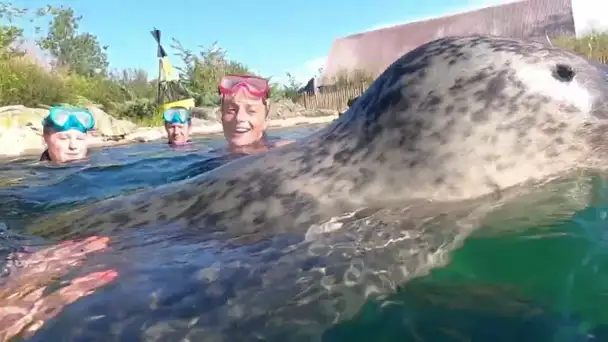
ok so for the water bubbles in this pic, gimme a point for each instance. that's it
(354, 274)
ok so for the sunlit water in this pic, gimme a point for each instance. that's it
(535, 268)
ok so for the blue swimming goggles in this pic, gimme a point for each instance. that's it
(176, 115)
(66, 118)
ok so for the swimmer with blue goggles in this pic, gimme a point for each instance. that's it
(177, 115)
(65, 118)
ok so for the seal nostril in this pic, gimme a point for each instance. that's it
(563, 73)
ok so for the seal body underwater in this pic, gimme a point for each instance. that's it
(453, 120)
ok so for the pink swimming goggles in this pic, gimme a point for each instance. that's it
(255, 86)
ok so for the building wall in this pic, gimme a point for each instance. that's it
(374, 51)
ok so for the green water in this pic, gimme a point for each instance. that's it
(539, 283)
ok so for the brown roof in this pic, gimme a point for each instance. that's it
(375, 50)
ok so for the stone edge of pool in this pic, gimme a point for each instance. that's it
(156, 133)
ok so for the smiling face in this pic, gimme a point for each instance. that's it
(66, 146)
(178, 134)
(243, 118)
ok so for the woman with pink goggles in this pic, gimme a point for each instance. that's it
(244, 107)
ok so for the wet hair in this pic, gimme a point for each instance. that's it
(49, 129)
(47, 126)
(45, 156)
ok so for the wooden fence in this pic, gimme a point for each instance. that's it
(335, 100)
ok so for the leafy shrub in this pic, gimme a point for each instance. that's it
(26, 83)
(98, 90)
(142, 111)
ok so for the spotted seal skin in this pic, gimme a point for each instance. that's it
(455, 120)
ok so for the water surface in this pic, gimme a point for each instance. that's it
(535, 270)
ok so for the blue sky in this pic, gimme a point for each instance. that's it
(271, 37)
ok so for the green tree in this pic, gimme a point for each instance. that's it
(201, 72)
(136, 83)
(9, 33)
(289, 90)
(77, 52)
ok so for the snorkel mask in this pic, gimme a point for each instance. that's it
(65, 118)
(177, 115)
(256, 86)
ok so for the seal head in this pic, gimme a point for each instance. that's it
(462, 117)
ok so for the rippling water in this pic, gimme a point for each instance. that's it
(535, 269)
(29, 188)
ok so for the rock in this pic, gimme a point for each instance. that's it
(207, 113)
(21, 128)
(202, 122)
(208, 127)
(12, 117)
(107, 125)
(146, 134)
(19, 141)
(323, 112)
(11, 108)
(282, 109)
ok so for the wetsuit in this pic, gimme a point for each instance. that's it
(45, 156)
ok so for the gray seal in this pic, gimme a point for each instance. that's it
(454, 121)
